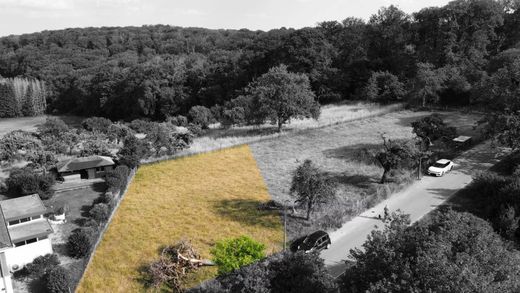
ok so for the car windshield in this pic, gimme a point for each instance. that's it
(439, 165)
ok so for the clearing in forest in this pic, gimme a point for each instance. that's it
(203, 198)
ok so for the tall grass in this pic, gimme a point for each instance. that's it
(218, 138)
(203, 198)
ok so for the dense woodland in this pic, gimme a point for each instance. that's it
(449, 55)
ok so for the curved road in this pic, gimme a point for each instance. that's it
(417, 200)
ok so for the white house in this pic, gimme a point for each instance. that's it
(24, 235)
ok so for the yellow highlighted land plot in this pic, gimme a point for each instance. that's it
(202, 198)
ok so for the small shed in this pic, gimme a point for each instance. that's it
(462, 140)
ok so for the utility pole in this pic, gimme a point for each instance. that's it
(419, 169)
(284, 227)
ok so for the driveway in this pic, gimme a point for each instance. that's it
(417, 200)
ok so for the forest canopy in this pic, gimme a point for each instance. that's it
(161, 71)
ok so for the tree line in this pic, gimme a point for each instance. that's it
(22, 97)
(436, 55)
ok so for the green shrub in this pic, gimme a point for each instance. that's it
(26, 181)
(178, 120)
(41, 265)
(57, 281)
(100, 212)
(201, 116)
(96, 124)
(231, 254)
(132, 152)
(80, 242)
(195, 129)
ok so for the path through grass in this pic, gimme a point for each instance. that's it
(203, 198)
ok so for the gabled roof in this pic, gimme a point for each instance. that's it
(78, 164)
(22, 207)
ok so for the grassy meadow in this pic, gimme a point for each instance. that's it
(202, 198)
(218, 138)
(338, 151)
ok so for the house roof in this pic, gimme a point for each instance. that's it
(5, 239)
(22, 207)
(30, 230)
(78, 164)
(462, 138)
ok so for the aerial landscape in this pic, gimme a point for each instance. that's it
(300, 146)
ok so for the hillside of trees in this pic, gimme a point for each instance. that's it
(441, 55)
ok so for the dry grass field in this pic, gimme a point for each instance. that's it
(336, 150)
(203, 198)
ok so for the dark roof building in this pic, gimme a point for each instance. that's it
(79, 164)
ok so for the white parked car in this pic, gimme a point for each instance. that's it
(440, 167)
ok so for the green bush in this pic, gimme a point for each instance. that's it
(201, 116)
(178, 120)
(41, 265)
(132, 152)
(57, 281)
(80, 242)
(26, 181)
(100, 212)
(231, 254)
(96, 124)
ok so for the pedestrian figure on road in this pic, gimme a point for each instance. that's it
(386, 214)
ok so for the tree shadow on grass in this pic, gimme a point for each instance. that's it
(356, 180)
(357, 153)
(246, 212)
(99, 187)
(36, 286)
(241, 132)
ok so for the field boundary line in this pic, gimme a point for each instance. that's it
(390, 109)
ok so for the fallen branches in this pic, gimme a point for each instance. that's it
(175, 262)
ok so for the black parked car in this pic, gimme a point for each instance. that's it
(316, 241)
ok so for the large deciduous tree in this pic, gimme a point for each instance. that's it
(431, 128)
(280, 95)
(393, 154)
(285, 272)
(428, 83)
(384, 87)
(449, 252)
(311, 186)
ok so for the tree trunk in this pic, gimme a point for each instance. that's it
(309, 208)
(280, 124)
(384, 177)
(424, 101)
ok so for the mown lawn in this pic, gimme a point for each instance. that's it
(202, 198)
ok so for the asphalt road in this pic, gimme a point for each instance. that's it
(417, 200)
